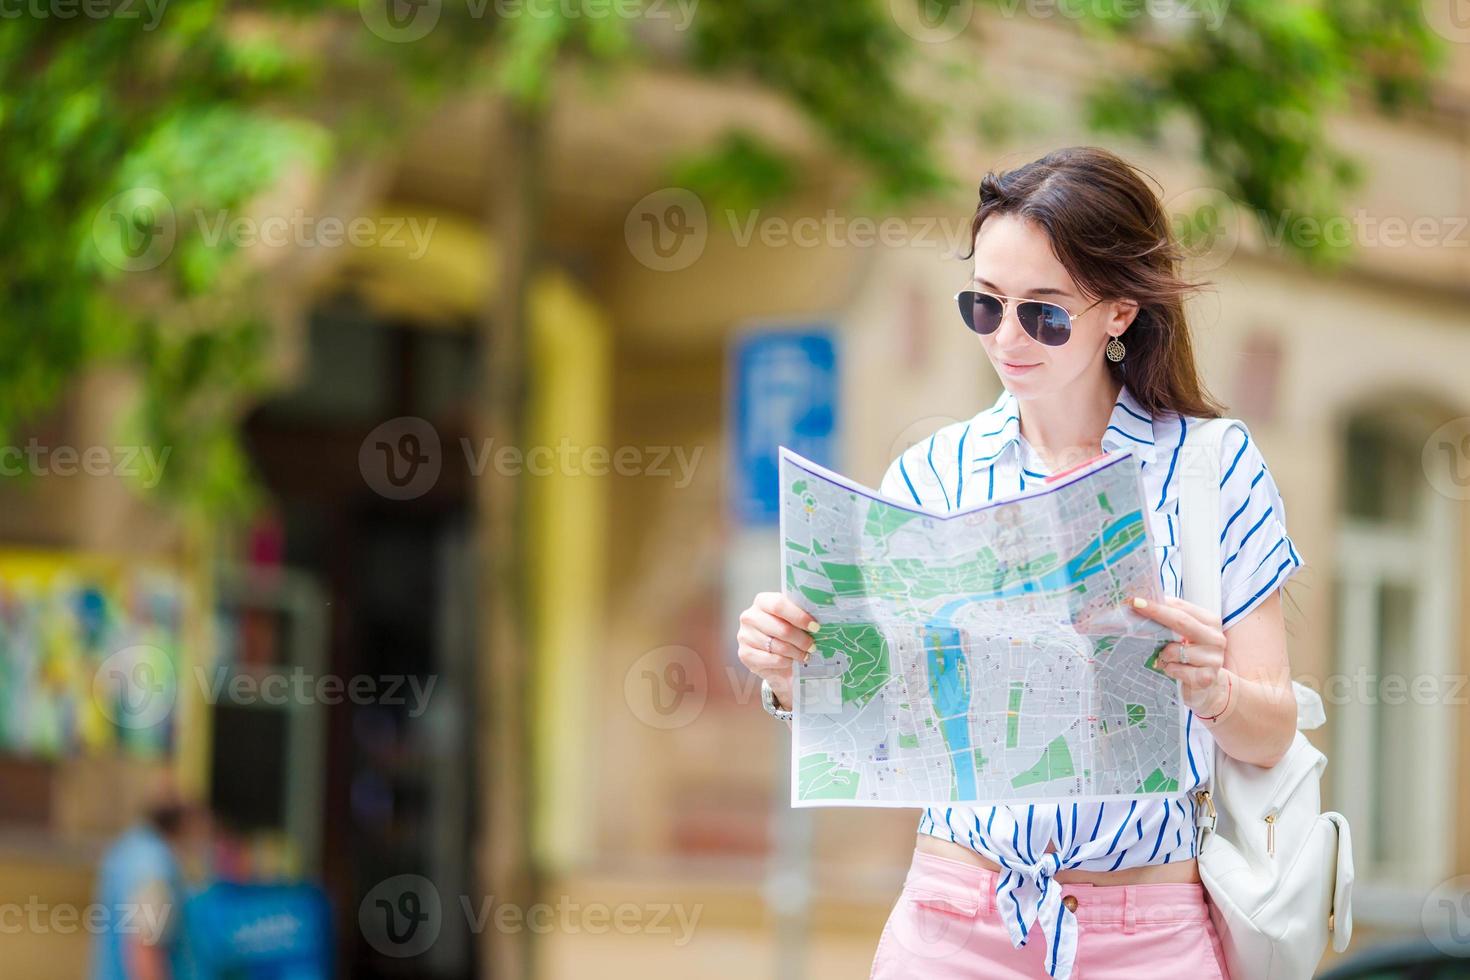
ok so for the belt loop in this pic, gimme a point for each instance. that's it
(1130, 910)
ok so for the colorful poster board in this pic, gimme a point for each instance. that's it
(90, 654)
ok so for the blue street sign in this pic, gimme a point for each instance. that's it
(783, 392)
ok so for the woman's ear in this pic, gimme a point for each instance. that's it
(1121, 314)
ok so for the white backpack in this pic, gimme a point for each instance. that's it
(1279, 872)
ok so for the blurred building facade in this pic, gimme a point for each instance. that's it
(1346, 380)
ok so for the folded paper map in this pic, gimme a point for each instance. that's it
(984, 655)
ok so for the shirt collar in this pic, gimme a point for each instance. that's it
(998, 429)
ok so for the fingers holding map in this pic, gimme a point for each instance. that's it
(984, 655)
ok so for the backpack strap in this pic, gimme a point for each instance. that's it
(1199, 545)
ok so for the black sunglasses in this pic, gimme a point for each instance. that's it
(1045, 323)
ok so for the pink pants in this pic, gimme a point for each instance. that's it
(945, 927)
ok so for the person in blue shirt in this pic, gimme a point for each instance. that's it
(141, 887)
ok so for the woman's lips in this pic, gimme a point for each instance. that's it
(1011, 367)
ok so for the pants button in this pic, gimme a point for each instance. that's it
(1070, 901)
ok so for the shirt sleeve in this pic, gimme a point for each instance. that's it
(895, 485)
(924, 473)
(1256, 553)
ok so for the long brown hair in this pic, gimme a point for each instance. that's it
(1111, 233)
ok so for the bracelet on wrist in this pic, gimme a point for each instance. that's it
(1229, 689)
(769, 702)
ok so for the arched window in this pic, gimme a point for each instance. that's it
(1394, 691)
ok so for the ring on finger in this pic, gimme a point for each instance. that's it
(1184, 654)
(768, 645)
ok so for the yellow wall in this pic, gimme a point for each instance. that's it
(567, 529)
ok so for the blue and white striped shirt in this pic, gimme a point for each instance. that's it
(969, 462)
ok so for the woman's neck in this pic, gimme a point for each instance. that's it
(1067, 428)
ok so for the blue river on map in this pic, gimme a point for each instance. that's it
(949, 681)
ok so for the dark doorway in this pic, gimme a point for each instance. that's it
(393, 576)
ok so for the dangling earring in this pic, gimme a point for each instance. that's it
(1115, 350)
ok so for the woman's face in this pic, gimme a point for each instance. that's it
(1013, 257)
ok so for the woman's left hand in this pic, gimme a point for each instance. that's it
(1197, 660)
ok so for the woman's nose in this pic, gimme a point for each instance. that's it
(1010, 332)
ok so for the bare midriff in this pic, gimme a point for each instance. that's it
(1173, 872)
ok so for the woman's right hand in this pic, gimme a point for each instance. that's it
(773, 633)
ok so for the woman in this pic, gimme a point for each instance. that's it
(1078, 303)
